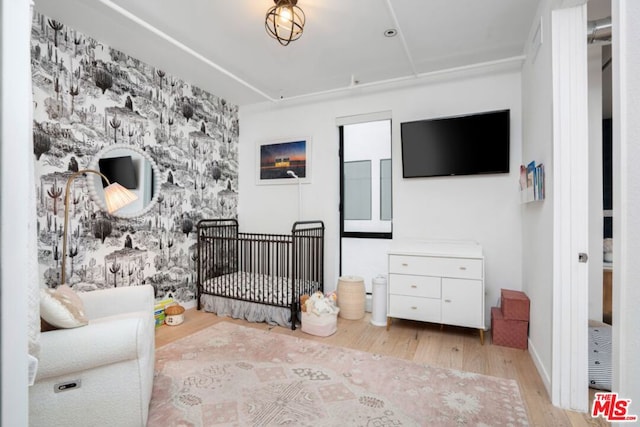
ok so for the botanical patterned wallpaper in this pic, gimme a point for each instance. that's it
(88, 96)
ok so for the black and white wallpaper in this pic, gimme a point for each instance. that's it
(88, 96)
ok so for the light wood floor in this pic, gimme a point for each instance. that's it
(449, 347)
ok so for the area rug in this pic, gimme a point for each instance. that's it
(238, 376)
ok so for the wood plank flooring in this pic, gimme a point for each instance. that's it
(447, 347)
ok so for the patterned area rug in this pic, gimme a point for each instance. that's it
(238, 376)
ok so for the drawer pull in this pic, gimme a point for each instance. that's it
(414, 307)
(414, 286)
(447, 300)
(404, 264)
(463, 268)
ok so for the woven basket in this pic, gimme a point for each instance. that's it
(322, 325)
(351, 297)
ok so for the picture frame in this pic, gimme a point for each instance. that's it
(282, 161)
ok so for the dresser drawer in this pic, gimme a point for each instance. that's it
(418, 286)
(464, 268)
(423, 309)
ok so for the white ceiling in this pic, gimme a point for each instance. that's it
(222, 45)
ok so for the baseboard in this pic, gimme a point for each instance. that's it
(546, 379)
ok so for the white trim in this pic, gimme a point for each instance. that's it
(17, 217)
(363, 118)
(489, 67)
(625, 341)
(537, 361)
(619, 152)
(569, 376)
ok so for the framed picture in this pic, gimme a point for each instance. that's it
(284, 162)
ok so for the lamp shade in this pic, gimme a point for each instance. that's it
(116, 197)
(285, 21)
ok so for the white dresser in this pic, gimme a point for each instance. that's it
(437, 281)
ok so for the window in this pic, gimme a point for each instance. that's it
(357, 190)
(385, 189)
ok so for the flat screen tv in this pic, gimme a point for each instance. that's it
(461, 145)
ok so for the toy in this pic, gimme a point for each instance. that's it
(319, 304)
(333, 296)
(319, 314)
(303, 300)
(174, 314)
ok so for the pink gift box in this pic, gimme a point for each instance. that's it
(506, 332)
(514, 305)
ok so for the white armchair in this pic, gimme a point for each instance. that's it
(100, 374)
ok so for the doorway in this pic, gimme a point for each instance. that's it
(599, 30)
(365, 199)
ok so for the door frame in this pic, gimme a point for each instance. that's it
(341, 122)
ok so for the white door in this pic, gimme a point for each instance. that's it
(571, 208)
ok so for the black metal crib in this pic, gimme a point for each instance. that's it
(270, 269)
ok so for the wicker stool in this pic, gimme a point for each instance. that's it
(351, 297)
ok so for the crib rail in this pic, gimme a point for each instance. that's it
(308, 244)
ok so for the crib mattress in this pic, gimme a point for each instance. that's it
(257, 287)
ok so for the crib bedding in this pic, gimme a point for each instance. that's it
(249, 311)
(254, 287)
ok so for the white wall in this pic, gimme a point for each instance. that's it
(537, 218)
(483, 208)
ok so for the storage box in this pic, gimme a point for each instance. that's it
(160, 305)
(506, 332)
(514, 305)
(321, 325)
(159, 316)
(158, 310)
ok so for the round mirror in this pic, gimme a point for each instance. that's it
(130, 167)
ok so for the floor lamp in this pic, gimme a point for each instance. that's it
(115, 195)
(293, 174)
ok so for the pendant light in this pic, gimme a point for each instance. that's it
(285, 21)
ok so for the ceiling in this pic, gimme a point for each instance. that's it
(222, 45)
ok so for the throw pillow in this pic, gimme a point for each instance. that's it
(62, 308)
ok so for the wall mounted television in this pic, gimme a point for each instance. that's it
(461, 145)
